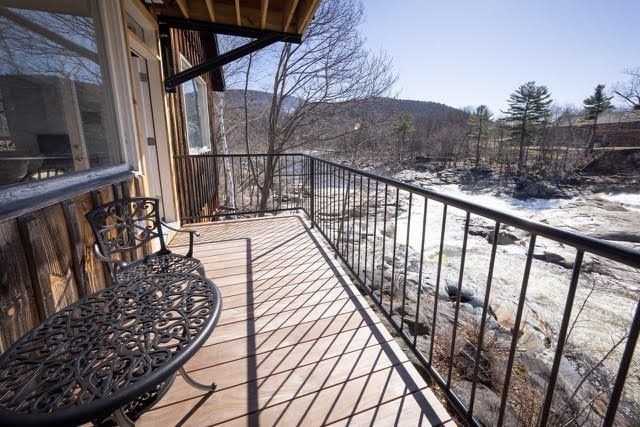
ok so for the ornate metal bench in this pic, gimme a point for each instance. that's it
(124, 225)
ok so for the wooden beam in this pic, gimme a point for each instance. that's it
(211, 64)
(264, 6)
(308, 9)
(184, 8)
(238, 17)
(287, 14)
(211, 11)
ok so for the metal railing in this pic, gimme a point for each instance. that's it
(516, 321)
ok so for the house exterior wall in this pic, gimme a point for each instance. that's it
(46, 244)
(196, 179)
(612, 133)
(47, 259)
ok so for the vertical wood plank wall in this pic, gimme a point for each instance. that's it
(196, 182)
(47, 261)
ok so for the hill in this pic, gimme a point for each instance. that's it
(378, 124)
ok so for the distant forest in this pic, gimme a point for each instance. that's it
(378, 130)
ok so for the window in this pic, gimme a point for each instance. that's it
(196, 113)
(56, 108)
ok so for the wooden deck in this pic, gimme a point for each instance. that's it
(296, 343)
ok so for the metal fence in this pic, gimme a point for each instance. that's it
(516, 321)
(243, 185)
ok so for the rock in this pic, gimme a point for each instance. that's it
(423, 325)
(466, 296)
(480, 230)
(486, 406)
(465, 362)
(564, 259)
(410, 293)
(504, 237)
(419, 328)
(597, 218)
(528, 186)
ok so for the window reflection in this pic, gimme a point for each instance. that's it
(197, 113)
(55, 114)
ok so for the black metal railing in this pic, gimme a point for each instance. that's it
(517, 321)
(244, 185)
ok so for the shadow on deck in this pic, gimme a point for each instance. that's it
(296, 343)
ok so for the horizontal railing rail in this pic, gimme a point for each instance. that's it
(516, 321)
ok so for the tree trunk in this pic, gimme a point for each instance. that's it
(478, 144)
(521, 167)
(265, 190)
(593, 132)
(229, 196)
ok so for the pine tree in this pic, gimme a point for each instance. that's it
(593, 106)
(479, 123)
(527, 114)
(403, 127)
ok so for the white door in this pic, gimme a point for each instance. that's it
(144, 111)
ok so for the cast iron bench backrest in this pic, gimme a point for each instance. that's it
(126, 224)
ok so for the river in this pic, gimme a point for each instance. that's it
(607, 292)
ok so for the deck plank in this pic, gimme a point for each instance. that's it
(296, 343)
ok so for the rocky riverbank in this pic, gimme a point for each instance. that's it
(482, 179)
(605, 300)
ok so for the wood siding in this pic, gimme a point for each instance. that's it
(48, 262)
(196, 183)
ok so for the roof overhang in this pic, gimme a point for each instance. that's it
(266, 21)
(283, 16)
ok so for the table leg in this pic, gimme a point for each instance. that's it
(121, 419)
(196, 384)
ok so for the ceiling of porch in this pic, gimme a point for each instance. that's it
(286, 16)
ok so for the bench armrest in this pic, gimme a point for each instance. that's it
(192, 233)
(118, 263)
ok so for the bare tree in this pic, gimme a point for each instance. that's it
(48, 43)
(630, 91)
(320, 78)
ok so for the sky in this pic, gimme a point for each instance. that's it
(472, 52)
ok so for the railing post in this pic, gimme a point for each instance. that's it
(312, 173)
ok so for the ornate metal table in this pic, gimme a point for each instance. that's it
(111, 354)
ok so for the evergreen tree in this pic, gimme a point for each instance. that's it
(594, 105)
(403, 127)
(479, 123)
(528, 112)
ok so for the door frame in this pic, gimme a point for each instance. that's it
(149, 51)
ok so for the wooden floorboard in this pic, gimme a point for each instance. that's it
(296, 343)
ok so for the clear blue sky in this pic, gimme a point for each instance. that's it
(472, 52)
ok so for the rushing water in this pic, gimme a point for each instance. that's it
(605, 300)
(626, 200)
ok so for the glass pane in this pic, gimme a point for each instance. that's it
(55, 117)
(194, 125)
(197, 114)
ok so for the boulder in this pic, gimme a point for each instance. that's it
(465, 360)
(528, 187)
(504, 237)
(417, 328)
(466, 295)
(486, 406)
